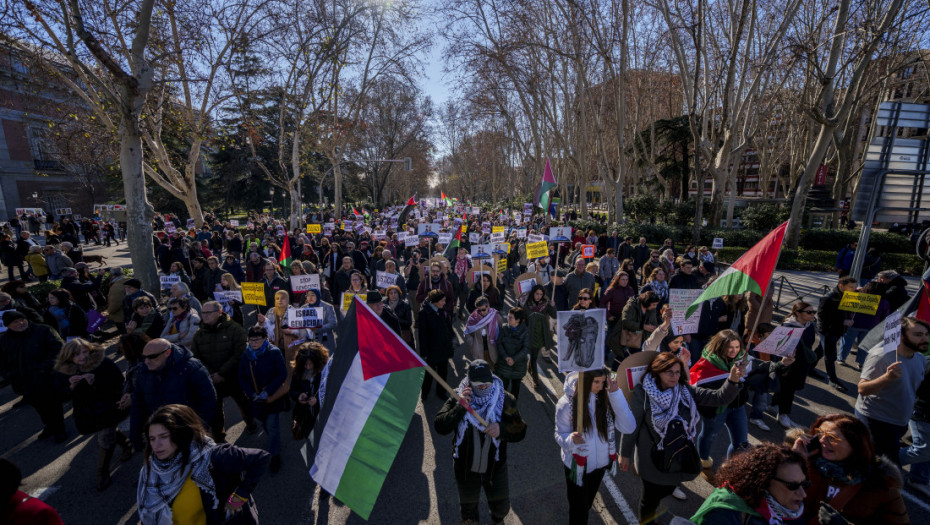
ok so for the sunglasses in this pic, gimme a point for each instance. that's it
(830, 439)
(809, 311)
(151, 357)
(794, 485)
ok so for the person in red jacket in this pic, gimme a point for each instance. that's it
(19, 508)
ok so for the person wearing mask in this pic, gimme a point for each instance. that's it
(169, 374)
(434, 340)
(850, 483)
(219, 344)
(513, 348)
(182, 322)
(590, 451)
(27, 362)
(187, 478)
(765, 485)
(263, 377)
(436, 280)
(665, 407)
(94, 384)
(479, 451)
(578, 280)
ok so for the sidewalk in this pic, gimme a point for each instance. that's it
(114, 256)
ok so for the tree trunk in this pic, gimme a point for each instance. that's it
(731, 202)
(793, 235)
(337, 188)
(194, 209)
(139, 212)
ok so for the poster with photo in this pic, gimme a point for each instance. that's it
(581, 335)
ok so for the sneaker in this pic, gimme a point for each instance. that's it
(835, 383)
(679, 494)
(707, 463)
(760, 424)
(785, 421)
(922, 489)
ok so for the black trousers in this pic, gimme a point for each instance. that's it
(496, 490)
(48, 407)
(442, 369)
(226, 389)
(580, 498)
(887, 438)
(512, 385)
(651, 497)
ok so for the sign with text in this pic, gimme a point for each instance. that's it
(302, 283)
(521, 233)
(535, 250)
(253, 293)
(234, 223)
(528, 208)
(502, 265)
(560, 234)
(347, 299)
(782, 341)
(587, 251)
(535, 237)
(411, 240)
(718, 243)
(581, 339)
(225, 297)
(444, 238)
(498, 229)
(167, 281)
(480, 251)
(892, 339)
(306, 317)
(679, 300)
(474, 237)
(314, 228)
(497, 237)
(385, 279)
(526, 285)
(860, 303)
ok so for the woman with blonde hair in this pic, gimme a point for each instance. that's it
(95, 385)
(275, 322)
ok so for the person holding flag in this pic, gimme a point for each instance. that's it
(480, 452)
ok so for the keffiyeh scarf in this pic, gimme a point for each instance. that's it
(489, 404)
(665, 408)
(161, 481)
(778, 513)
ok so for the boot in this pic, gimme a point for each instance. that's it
(104, 455)
(125, 445)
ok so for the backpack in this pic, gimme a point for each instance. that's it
(679, 455)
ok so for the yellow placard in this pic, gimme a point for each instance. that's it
(498, 229)
(254, 293)
(502, 265)
(347, 299)
(535, 250)
(314, 228)
(860, 303)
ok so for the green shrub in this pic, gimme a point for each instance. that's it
(825, 260)
(764, 216)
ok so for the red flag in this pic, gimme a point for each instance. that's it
(412, 201)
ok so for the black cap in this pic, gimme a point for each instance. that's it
(561, 273)
(10, 316)
(135, 283)
(373, 297)
(479, 371)
(708, 266)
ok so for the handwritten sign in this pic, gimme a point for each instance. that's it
(226, 297)
(306, 317)
(782, 341)
(535, 237)
(535, 250)
(526, 285)
(302, 283)
(860, 303)
(167, 281)
(587, 251)
(679, 300)
(314, 228)
(892, 339)
(347, 299)
(254, 293)
(718, 243)
(384, 279)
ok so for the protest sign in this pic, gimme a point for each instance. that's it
(521, 233)
(535, 250)
(587, 251)
(168, 280)
(444, 238)
(892, 337)
(480, 251)
(253, 293)
(560, 234)
(581, 339)
(782, 341)
(498, 229)
(497, 237)
(718, 243)
(385, 279)
(526, 285)
(500, 247)
(226, 296)
(535, 237)
(306, 317)
(427, 229)
(302, 283)
(191, 223)
(347, 299)
(528, 208)
(502, 265)
(474, 237)
(234, 223)
(379, 234)
(411, 240)
(631, 371)
(485, 227)
(314, 228)
(679, 300)
(860, 303)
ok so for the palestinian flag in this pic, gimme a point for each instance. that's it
(918, 306)
(452, 250)
(751, 272)
(705, 371)
(543, 191)
(285, 258)
(402, 217)
(356, 213)
(371, 392)
(445, 198)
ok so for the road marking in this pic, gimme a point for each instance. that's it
(916, 500)
(44, 491)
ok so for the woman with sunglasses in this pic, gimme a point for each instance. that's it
(764, 485)
(802, 316)
(849, 483)
(585, 300)
(182, 322)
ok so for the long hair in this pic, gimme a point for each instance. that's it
(749, 474)
(797, 307)
(131, 345)
(313, 352)
(183, 426)
(615, 282)
(720, 343)
(855, 432)
(231, 282)
(601, 404)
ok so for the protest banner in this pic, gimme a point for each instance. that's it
(892, 339)
(384, 279)
(480, 251)
(782, 341)
(631, 371)
(253, 293)
(528, 208)
(502, 248)
(474, 237)
(860, 303)
(525, 285)
(411, 240)
(560, 234)
(498, 229)
(427, 229)
(476, 275)
(169, 280)
(302, 283)
(347, 299)
(497, 237)
(717, 244)
(521, 233)
(169, 228)
(191, 223)
(587, 251)
(486, 227)
(234, 223)
(306, 317)
(581, 339)
(535, 250)
(379, 235)
(535, 237)
(679, 300)
(314, 228)
(225, 297)
(502, 265)
(444, 238)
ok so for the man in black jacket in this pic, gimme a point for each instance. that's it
(684, 279)
(434, 337)
(831, 325)
(480, 452)
(895, 288)
(28, 352)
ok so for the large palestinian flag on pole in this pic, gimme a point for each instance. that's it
(402, 217)
(544, 190)
(750, 273)
(371, 392)
(453, 249)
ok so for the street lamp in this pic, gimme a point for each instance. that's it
(271, 194)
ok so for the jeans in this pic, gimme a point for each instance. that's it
(828, 350)
(918, 454)
(737, 426)
(272, 428)
(853, 336)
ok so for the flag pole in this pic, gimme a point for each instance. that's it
(558, 248)
(765, 294)
(579, 395)
(455, 395)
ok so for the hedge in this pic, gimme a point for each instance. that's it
(825, 261)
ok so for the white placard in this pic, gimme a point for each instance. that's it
(581, 339)
(892, 337)
(521, 233)
(428, 228)
(474, 237)
(526, 285)
(500, 247)
(679, 300)
(191, 223)
(634, 375)
(782, 341)
(306, 317)
(479, 251)
(401, 236)
(528, 208)
(561, 233)
(485, 227)
(718, 243)
(444, 238)
(302, 283)
(234, 222)
(385, 279)
(411, 240)
(168, 280)
(534, 237)
(224, 299)
(380, 234)
(497, 237)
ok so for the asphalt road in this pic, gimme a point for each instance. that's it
(420, 487)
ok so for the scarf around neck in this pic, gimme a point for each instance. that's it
(489, 404)
(776, 512)
(475, 322)
(839, 471)
(665, 406)
(161, 481)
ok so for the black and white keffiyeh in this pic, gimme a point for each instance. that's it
(488, 403)
(665, 407)
(161, 481)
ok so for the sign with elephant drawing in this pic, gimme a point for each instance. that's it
(581, 339)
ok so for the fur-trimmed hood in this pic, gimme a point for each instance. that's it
(94, 358)
(885, 474)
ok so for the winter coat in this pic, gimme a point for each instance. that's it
(684, 281)
(539, 328)
(877, 500)
(234, 269)
(23, 508)
(211, 280)
(186, 329)
(426, 285)
(615, 299)
(183, 380)
(76, 322)
(274, 286)
(115, 296)
(220, 346)
(8, 255)
(37, 263)
(151, 325)
(896, 293)
(266, 373)
(515, 344)
(234, 469)
(574, 283)
(829, 317)
(27, 359)
(642, 440)
(81, 292)
(512, 430)
(128, 299)
(607, 268)
(94, 405)
(493, 295)
(434, 335)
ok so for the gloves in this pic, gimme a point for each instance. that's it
(830, 516)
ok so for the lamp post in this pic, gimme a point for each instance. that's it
(271, 194)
